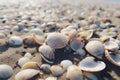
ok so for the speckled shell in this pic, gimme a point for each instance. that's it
(95, 48)
(31, 65)
(88, 64)
(56, 40)
(6, 71)
(56, 70)
(15, 41)
(26, 74)
(74, 73)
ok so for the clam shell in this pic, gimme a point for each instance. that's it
(80, 52)
(95, 48)
(56, 70)
(65, 64)
(2, 35)
(90, 65)
(76, 44)
(28, 55)
(39, 39)
(22, 61)
(47, 52)
(6, 71)
(56, 40)
(31, 65)
(15, 41)
(74, 73)
(113, 57)
(51, 78)
(111, 45)
(3, 42)
(45, 68)
(37, 31)
(26, 74)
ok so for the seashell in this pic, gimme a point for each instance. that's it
(56, 40)
(65, 64)
(47, 53)
(94, 27)
(104, 38)
(90, 76)
(2, 35)
(28, 55)
(90, 65)
(111, 45)
(74, 73)
(27, 74)
(6, 71)
(51, 78)
(113, 57)
(86, 34)
(76, 44)
(95, 48)
(17, 28)
(45, 68)
(29, 40)
(80, 52)
(39, 39)
(22, 61)
(3, 42)
(15, 41)
(31, 65)
(37, 31)
(26, 30)
(56, 70)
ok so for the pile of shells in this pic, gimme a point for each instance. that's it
(68, 45)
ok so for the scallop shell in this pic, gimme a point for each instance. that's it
(45, 68)
(113, 57)
(111, 45)
(95, 48)
(31, 65)
(56, 70)
(27, 74)
(51, 78)
(22, 61)
(90, 65)
(6, 71)
(46, 52)
(56, 40)
(15, 41)
(65, 64)
(74, 73)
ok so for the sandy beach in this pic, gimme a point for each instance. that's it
(21, 18)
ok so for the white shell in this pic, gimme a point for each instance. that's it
(95, 48)
(39, 39)
(113, 57)
(56, 70)
(111, 45)
(2, 35)
(88, 64)
(26, 74)
(56, 40)
(37, 31)
(65, 64)
(15, 41)
(74, 73)
(28, 55)
(5, 71)
(23, 60)
(46, 51)
(80, 52)
(51, 78)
